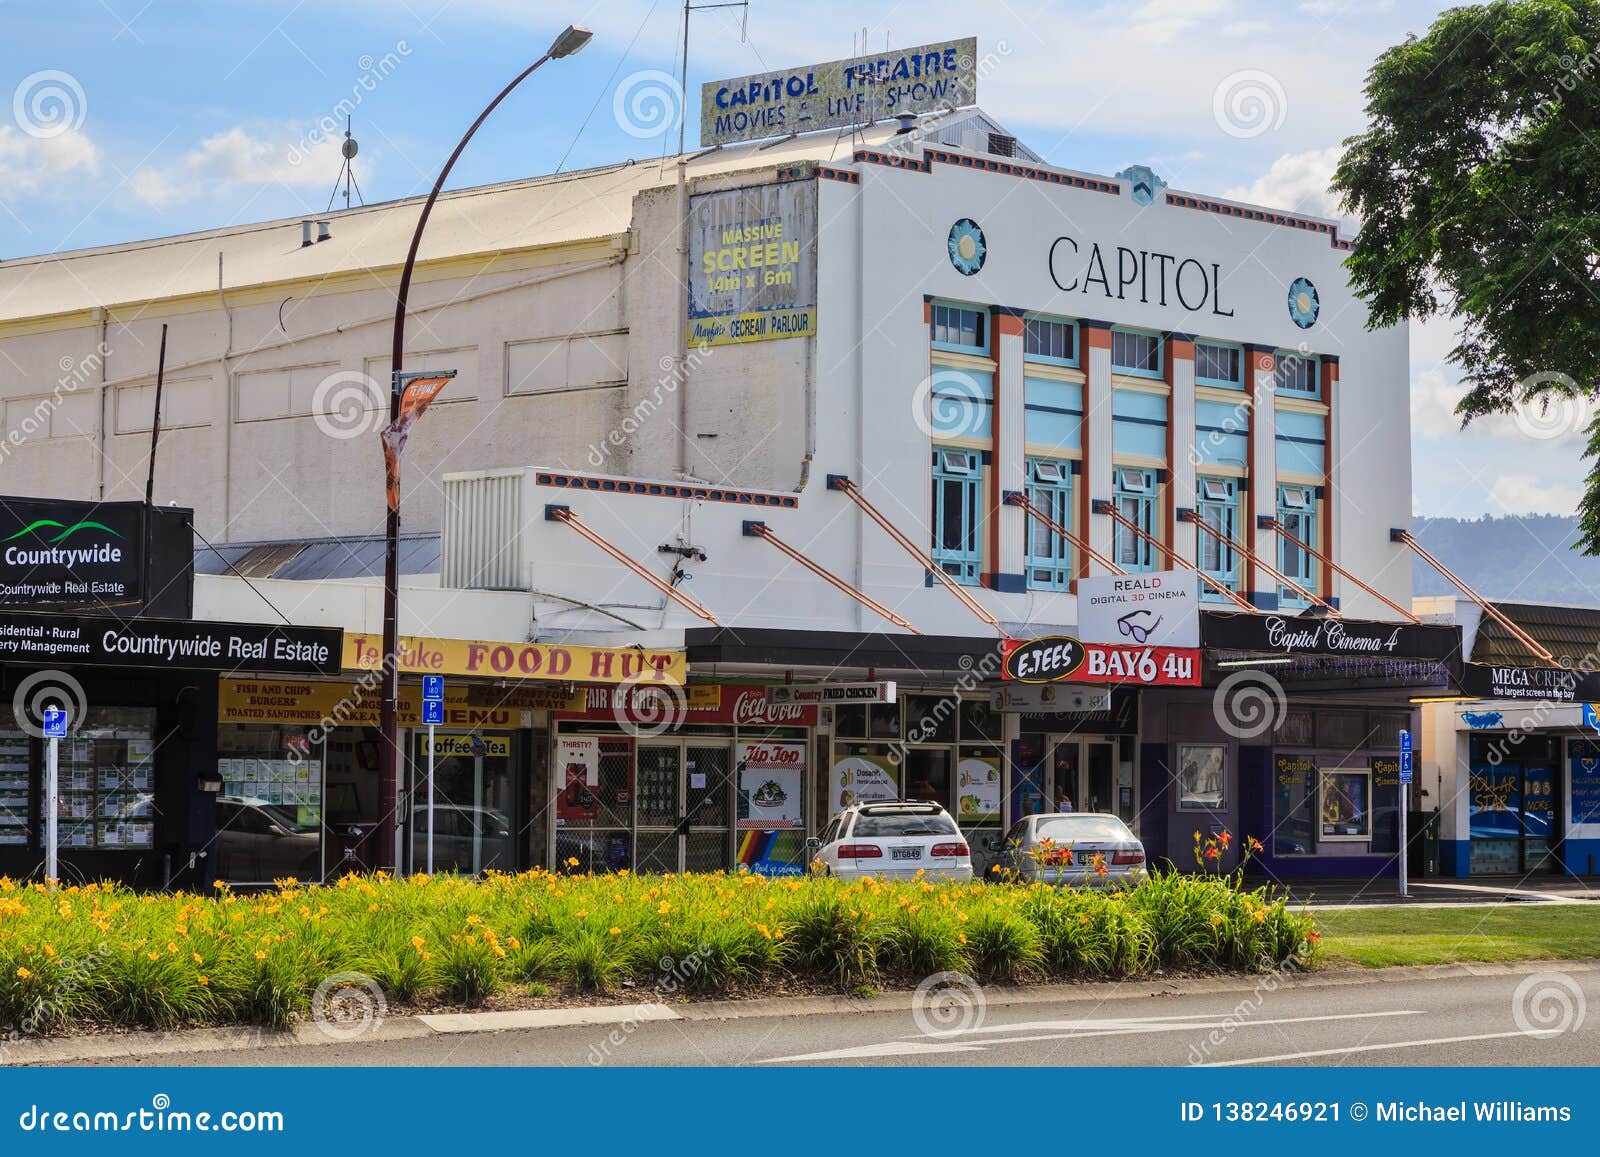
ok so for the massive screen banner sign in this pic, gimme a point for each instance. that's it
(195, 645)
(932, 78)
(753, 264)
(70, 554)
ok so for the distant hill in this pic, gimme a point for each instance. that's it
(1527, 558)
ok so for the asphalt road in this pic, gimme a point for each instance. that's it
(1550, 1019)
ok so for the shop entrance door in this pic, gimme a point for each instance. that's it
(1513, 819)
(1084, 775)
(685, 803)
(472, 803)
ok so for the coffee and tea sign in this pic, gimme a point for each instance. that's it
(70, 554)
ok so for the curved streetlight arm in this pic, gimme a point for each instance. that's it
(404, 292)
(568, 42)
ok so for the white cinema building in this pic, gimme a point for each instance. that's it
(908, 347)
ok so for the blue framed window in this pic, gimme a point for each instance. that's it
(1219, 364)
(957, 510)
(1050, 340)
(1135, 498)
(1297, 514)
(1053, 413)
(1302, 442)
(1222, 433)
(1296, 374)
(1217, 505)
(1136, 352)
(1049, 556)
(961, 328)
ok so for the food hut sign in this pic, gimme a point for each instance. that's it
(1064, 659)
(603, 665)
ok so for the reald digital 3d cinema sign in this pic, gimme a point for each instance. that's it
(70, 554)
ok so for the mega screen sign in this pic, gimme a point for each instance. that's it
(70, 554)
(1063, 659)
(186, 643)
(753, 264)
(932, 78)
(1545, 684)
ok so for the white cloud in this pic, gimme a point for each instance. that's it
(238, 158)
(1296, 181)
(1346, 8)
(1433, 403)
(1525, 494)
(29, 163)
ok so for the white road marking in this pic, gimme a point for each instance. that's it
(1377, 1048)
(1075, 1029)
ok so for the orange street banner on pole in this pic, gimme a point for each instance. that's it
(607, 665)
(415, 397)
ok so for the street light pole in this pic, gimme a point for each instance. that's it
(566, 44)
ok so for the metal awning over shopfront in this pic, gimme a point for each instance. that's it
(840, 652)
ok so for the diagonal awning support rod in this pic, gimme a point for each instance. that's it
(1528, 641)
(1019, 499)
(1191, 516)
(564, 514)
(760, 530)
(1269, 521)
(1101, 506)
(853, 493)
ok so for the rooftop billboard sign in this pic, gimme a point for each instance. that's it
(837, 94)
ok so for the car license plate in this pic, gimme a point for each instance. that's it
(907, 853)
(1087, 857)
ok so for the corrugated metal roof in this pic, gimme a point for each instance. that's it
(318, 558)
(1568, 633)
(540, 211)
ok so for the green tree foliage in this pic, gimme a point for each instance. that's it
(1478, 185)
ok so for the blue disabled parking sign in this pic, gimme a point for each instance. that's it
(55, 723)
(1405, 757)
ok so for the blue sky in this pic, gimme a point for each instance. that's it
(134, 118)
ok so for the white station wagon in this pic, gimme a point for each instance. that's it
(892, 841)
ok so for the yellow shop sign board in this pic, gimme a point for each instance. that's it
(308, 703)
(545, 661)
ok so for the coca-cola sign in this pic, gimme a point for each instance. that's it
(733, 704)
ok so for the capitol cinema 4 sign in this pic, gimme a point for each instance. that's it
(70, 555)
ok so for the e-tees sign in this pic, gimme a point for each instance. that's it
(1063, 659)
(70, 554)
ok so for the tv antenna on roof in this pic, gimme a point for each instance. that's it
(683, 74)
(347, 170)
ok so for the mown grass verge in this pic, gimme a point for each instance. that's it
(100, 955)
(1381, 937)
